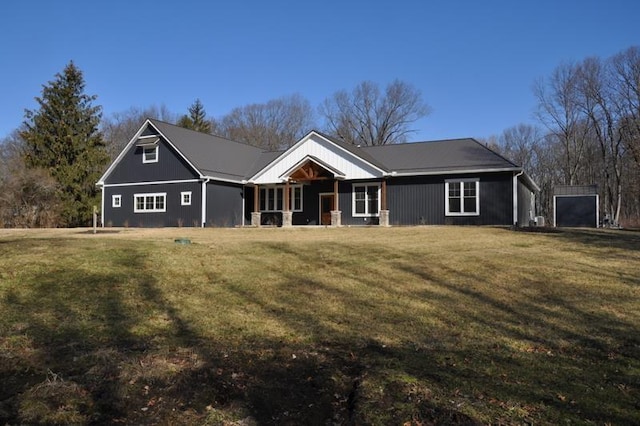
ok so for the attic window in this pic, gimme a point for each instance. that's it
(150, 154)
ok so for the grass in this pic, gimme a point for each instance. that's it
(426, 325)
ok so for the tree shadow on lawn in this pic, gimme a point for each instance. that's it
(541, 349)
(126, 354)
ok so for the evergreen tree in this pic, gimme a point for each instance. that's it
(197, 118)
(62, 137)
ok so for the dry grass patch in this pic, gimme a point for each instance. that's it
(350, 325)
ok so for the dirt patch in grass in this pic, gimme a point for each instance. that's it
(426, 325)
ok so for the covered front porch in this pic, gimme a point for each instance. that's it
(312, 193)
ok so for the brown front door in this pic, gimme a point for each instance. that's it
(326, 206)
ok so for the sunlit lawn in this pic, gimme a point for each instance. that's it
(319, 326)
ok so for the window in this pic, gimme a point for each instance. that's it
(116, 201)
(272, 198)
(150, 203)
(462, 197)
(150, 154)
(185, 198)
(366, 200)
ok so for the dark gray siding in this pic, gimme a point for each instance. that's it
(421, 200)
(525, 205)
(170, 166)
(576, 211)
(224, 204)
(175, 215)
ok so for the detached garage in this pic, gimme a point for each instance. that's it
(576, 206)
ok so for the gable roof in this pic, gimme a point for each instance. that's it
(214, 156)
(453, 155)
(222, 159)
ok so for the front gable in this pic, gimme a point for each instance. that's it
(318, 150)
(149, 157)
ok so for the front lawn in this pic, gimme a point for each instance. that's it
(444, 325)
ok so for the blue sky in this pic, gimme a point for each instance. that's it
(474, 61)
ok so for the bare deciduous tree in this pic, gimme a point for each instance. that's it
(274, 125)
(366, 116)
(559, 111)
(27, 195)
(118, 128)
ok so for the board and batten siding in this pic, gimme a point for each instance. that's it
(352, 166)
(420, 200)
(169, 167)
(224, 205)
(175, 215)
(526, 204)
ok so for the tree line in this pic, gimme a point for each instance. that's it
(587, 131)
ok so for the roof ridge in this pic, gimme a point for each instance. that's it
(203, 133)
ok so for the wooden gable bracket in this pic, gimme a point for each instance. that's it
(311, 169)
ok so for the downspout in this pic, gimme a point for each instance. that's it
(515, 197)
(204, 201)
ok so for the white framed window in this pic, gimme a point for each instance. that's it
(272, 198)
(462, 197)
(185, 198)
(150, 203)
(366, 200)
(150, 154)
(116, 200)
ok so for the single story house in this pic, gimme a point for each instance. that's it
(170, 176)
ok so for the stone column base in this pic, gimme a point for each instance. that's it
(255, 219)
(336, 218)
(384, 217)
(287, 219)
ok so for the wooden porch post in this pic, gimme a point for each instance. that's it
(255, 214)
(336, 205)
(384, 195)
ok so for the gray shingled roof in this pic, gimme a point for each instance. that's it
(438, 156)
(214, 156)
(222, 158)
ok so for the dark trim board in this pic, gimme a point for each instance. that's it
(170, 176)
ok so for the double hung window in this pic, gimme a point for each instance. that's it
(366, 200)
(462, 197)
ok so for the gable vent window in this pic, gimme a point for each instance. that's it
(462, 197)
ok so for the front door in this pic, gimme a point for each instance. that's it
(326, 206)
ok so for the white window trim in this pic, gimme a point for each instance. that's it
(144, 154)
(116, 201)
(182, 199)
(366, 200)
(446, 197)
(154, 210)
(275, 198)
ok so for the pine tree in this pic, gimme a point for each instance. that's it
(197, 118)
(62, 137)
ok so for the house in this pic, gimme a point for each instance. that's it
(170, 176)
